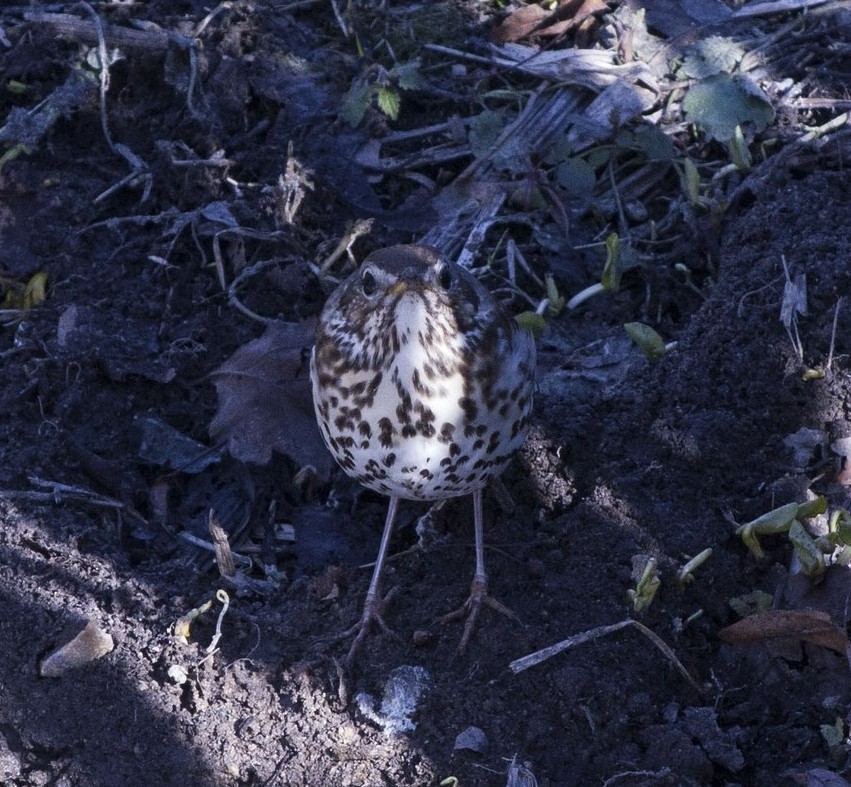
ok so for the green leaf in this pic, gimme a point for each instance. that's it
(814, 507)
(647, 582)
(751, 603)
(36, 290)
(692, 181)
(648, 341)
(809, 555)
(722, 102)
(408, 75)
(833, 734)
(532, 322)
(611, 277)
(356, 102)
(388, 101)
(739, 153)
(653, 143)
(710, 56)
(558, 151)
(484, 130)
(576, 177)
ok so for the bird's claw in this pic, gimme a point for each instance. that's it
(372, 614)
(470, 610)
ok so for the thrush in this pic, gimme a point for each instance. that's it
(422, 386)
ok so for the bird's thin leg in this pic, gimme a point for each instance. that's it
(479, 587)
(374, 604)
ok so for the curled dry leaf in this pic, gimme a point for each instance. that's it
(809, 625)
(535, 20)
(265, 401)
(90, 644)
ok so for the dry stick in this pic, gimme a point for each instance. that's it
(103, 57)
(524, 663)
(776, 7)
(833, 334)
(76, 29)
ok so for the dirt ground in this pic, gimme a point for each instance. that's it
(107, 398)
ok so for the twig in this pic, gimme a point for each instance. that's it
(524, 663)
(72, 27)
(356, 230)
(60, 493)
(833, 333)
(776, 7)
(207, 546)
(224, 554)
(103, 58)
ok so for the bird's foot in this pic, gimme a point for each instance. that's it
(470, 610)
(373, 610)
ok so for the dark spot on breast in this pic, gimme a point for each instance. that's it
(386, 432)
(389, 459)
(454, 449)
(493, 443)
(365, 429)
(344, 424)
(408, 430)
(424, 412)
(469, 407)
(446, 432)
(419, 387)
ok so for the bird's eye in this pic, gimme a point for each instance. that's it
(368, 283)
(444, 277)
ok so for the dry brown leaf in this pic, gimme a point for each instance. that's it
(809, 625)
(532, 19)
(265, 401)
(520, 23)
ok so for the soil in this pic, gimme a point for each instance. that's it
(103, 381)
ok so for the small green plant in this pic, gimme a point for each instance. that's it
(382, 87)
(646, 575)
(686, 573)
(611, 277)
(811, 552)
(648, 340)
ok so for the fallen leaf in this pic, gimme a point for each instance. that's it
(520, 23)
(90, 644)
(265, 401)
(534, 20)
(722, 102)
(808, 625)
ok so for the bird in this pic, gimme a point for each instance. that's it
(423, 389)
